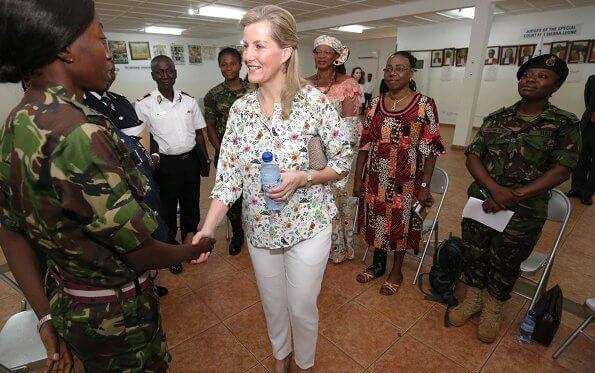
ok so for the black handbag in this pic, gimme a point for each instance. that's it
(548, 316)
(204, 163)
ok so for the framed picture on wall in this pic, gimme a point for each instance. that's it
(178, 54)
(526, 52)
(462, 56)
(592, 52)
(194, 54)
(559, 49)
(579, 49)
(508, 55)
(449, 57)
(160, 50)
(119, 51)
(492, 56)
(437, 57)
(139, 50)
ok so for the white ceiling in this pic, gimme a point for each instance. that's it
(133, 15)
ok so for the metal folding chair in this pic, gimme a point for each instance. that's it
(558, 210)
(438, 185)
(590, 304)
(3, 271)
(21, 349)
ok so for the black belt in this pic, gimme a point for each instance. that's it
(183, 156)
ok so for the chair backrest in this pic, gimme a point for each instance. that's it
(20, 344)
(558, 207)
(439, 183)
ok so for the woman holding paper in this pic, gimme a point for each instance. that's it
(518, 155)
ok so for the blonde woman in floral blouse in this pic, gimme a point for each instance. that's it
(345, 94)
(289, 249)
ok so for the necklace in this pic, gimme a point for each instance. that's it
(396, 102)
(330, 84)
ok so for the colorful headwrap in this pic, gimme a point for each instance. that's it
(336, 45)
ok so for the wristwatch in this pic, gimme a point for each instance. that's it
(308, 178)
(43, 320)
(424, 185)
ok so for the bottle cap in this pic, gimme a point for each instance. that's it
(532, 313)
(267, 157)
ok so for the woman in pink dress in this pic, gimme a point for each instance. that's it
(344, 92)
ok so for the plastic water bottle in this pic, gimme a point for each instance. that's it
(270, 176)
(527, 327)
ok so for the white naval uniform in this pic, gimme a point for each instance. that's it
(172, 124)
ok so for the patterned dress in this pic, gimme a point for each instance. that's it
(397, 143)
(345, 97)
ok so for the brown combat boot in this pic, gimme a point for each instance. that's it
(491, 316)
(469, 307)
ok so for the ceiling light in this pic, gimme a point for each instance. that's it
(462, 13)
(163, 30)
(220, 11)
(358, 29)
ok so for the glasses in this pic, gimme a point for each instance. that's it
(324, 53)
(398, 70)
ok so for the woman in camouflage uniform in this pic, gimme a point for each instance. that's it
(518, 155)
(69, 188)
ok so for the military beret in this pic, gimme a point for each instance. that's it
(545, 61)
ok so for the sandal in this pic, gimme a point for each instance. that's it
(388, 288)
(377, 269)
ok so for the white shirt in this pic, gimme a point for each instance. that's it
(369, 87)
(172, 124)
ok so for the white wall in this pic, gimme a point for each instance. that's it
(506, 30)
(133, 83)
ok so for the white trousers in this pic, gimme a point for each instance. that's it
(289, 282)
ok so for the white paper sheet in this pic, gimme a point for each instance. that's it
(497, 221)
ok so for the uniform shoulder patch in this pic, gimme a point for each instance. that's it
(187, 94)
(143, 97)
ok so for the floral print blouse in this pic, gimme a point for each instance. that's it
(249, 134)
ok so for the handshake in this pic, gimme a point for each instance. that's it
(201, 247)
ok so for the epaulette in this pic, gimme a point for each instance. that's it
(567, 114)
(499, 111)
(142, 98)
(189, 95)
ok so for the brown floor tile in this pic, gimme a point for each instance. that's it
(341, 277)
(230, 295)
(8, 307)
(410, 355)
(404, 308)
(173, 282)
(213, 351)
(239, 262)
(329, 300)
(186, 318)
(250, 327)
(201, 275)
(361, 333)
(510, 359)
(257, 369)
(5, 289)
(573, 359)
(329, 359)
(459, 344)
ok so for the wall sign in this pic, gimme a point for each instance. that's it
(551, 31)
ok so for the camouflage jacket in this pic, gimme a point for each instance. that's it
(516, 152)
(218, 101)
(68, 184)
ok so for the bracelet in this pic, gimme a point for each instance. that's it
(42, 321)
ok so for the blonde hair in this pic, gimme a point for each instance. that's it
(284, 33)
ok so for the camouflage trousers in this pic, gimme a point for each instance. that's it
(124, 336)
(491, 259)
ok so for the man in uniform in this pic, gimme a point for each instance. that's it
(218, 101)
(518, 155)
(127, 125)
(176, 123)
(583, 176)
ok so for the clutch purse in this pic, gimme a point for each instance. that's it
(316, 154)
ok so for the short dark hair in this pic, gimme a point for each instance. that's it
(161, 57)
(32, 32)
(229, 51)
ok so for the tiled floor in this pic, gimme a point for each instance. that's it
(214, 319)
